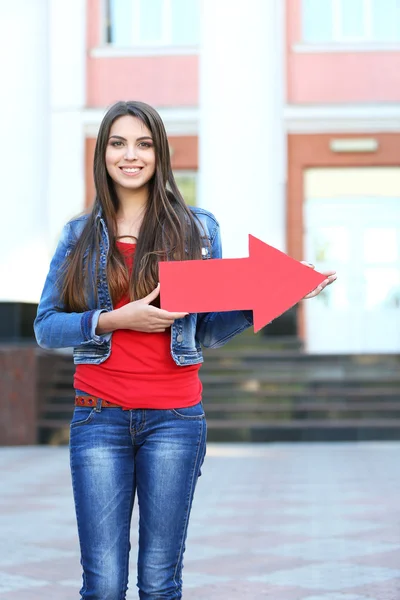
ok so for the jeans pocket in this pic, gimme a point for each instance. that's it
(82, 415)
(190, 412)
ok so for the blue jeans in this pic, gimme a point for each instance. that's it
(114, 454)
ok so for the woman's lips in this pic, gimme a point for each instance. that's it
(131, 171)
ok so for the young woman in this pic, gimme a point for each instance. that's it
(138, 426)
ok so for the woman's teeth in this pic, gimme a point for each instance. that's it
(132, 170)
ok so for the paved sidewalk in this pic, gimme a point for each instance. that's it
(282, 522)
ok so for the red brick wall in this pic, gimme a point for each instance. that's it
(18, 408)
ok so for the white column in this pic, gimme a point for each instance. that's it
(242, 141)
(68, 97)
(24, 151)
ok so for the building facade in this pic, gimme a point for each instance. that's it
(283, 120)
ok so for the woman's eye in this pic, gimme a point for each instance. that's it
(116, 144)
(145, 144)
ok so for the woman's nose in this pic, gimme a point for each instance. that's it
(130, 153)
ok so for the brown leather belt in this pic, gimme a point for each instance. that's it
(92, 401)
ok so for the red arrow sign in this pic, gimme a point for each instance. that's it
(268, 282)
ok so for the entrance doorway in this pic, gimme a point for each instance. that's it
(352, 224)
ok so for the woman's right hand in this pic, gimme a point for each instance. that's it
(139, 316)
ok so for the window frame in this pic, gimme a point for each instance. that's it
(164, 46)
(342, 42)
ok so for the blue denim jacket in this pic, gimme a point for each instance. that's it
(57, 329)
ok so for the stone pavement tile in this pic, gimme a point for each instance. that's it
(12, 506)
(15, 555)
(274, 520)
(31, 594)
(251, 524)
(52, 571)
(335, 549)
(387, 535)
(325, 528)
(263, 511)
(199, 529)
(68, 543)
(384, 517)
(62, 590)
(42, 529)
(367, 498)
(196, 552)
(243, 502)
(317, 511)
(382, 559)
(245, 590)
(194, 579)
(330, 576)
(388, 589)
(223, 512)
(50, 592)
(246, 541)
(337, 596)
(244, 565)
(264, 519)
(287, 498)
(10, 583)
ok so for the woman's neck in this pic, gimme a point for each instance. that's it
(131, 203)
(132, 206)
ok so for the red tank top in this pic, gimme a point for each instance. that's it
(140, 371)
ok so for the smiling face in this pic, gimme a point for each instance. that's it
(130, 155)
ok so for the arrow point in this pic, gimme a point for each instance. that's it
(286, 281)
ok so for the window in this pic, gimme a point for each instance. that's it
(351, 21)
(152, 22)
(187, 184)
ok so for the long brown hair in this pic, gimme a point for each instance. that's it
(169, 229)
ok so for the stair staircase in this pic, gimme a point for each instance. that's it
(264, 389)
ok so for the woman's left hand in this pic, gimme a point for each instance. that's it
(330, 278)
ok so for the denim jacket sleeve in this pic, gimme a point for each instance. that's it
(55, 328)
(216, 328)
